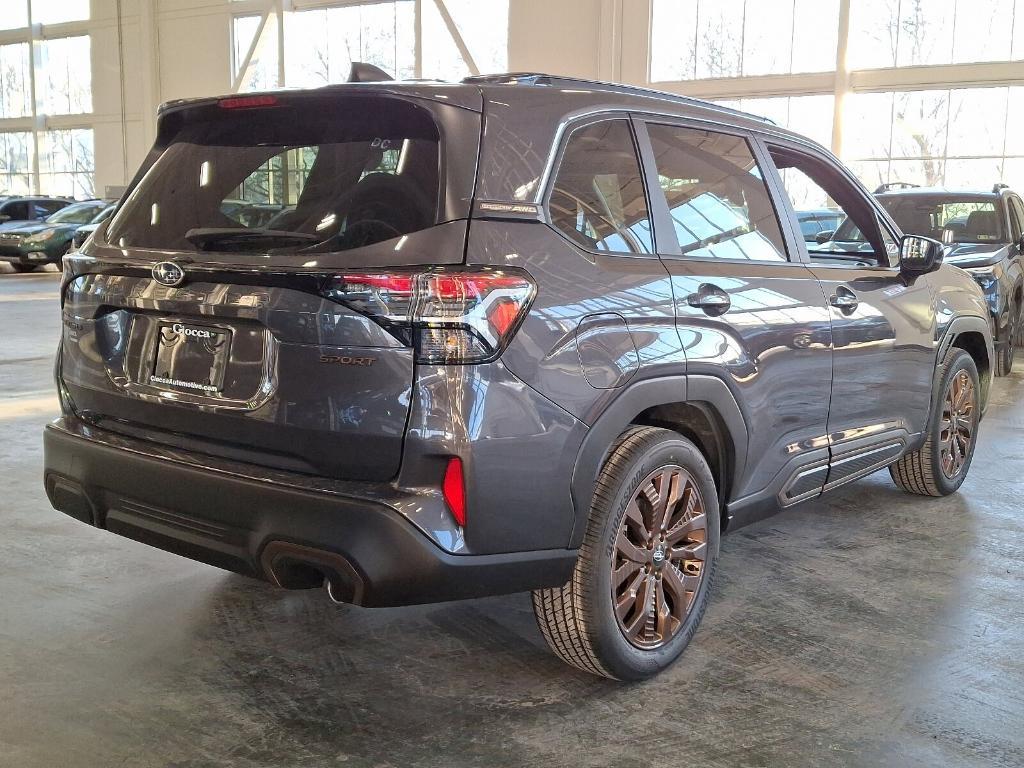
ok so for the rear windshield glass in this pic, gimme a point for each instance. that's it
(323, 175)
(82, 213)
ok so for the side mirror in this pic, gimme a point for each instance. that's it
(919, 255)
(824, 236)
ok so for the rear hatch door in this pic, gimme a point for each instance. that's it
(200, 315)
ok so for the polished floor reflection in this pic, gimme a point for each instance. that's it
(868, 628)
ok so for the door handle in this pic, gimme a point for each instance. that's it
(710, 298)
(844, 299)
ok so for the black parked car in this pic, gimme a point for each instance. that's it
(983, 233)
(518, 333)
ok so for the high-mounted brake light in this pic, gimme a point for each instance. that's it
(247, 102)
(454, 490)
(449, 317)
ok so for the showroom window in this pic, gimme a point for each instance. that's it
(963, 138)
(810, 115)
(889, 33)
(15, 163)
(66, 164)
(63, 76)
(891, 86)
(46, 136)
(695, 39)
(15, 81)
(439, 39)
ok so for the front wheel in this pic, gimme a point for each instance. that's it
(23, 267)
(1004, 360)
(940, 466)
(644, 573)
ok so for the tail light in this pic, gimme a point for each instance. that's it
(449, 317)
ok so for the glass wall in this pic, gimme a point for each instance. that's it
(406, 38)
(695, 39)
(964, 137)
(46, 138)
(810, 115)
(888, 33)
(931, 125)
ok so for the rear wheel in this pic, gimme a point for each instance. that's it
(642, 580)
(942, 463)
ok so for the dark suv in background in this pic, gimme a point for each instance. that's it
(984, 234)
(518, 333)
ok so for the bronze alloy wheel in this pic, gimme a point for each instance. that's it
(660, 553)
(956, 430)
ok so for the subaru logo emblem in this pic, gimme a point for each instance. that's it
(168, 273)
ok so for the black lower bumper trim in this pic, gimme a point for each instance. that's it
(380, 558)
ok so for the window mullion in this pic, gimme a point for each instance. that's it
(33, 33)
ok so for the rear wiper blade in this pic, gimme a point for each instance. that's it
(206, 238)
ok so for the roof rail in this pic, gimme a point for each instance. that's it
(889, 187)
(999, 185)
(541, 78)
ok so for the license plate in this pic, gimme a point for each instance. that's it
(191, 358)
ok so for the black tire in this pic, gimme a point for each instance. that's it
(579, 620)
(1004, 359)
(23, 267)
(926, 471)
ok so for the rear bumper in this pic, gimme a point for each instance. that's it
(366, 550)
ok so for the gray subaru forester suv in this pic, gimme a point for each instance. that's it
(516, 333)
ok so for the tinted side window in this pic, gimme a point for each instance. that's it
(46, 207)
(860, 239)
(17, 211)
(597, 199)
(717, 198)
(1017, 216)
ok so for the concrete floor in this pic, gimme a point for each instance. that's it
(868, 628)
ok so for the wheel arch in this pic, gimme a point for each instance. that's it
(974, 336)
(701, 408)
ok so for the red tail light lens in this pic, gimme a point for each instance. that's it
(247, 102)
(454, 490)
(450, 317)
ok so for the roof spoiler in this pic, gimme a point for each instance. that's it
(361, 72)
